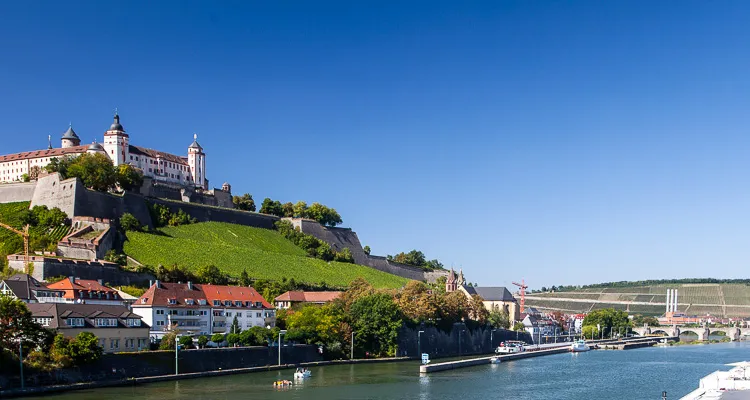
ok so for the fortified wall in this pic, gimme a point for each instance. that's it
(459, 341)
(47, 267)
(340, 238)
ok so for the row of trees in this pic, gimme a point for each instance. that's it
(97, 172)
(415, 258)
(43, 349)
(323, 214)
(375, 317)
(313, 246)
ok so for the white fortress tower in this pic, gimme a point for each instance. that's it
(197, 162)
(116, 142)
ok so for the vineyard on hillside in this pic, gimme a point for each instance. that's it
(264, 253)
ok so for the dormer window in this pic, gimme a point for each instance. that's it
(172, 301)
(238, 303)
(258, 304)
(217, 303)
(144, 300)
(189, 302)
(202, 302)
(227, 303)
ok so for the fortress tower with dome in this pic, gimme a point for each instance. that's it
(161, 167)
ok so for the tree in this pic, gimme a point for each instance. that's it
(116, 257)
(34, 172)
(129, 223)
(324, 215)
(288, 209)
(212, 274)
(17, 324)
(244, 202)
(300, 209)
(376, 318)
(499, 319)
(96, 171)
(85, 348)
(235, 328)
(367, 250)
(324, 252)
(59, 165)
(518, 326)
(244, 278)
(217, 338)
(128, 177)
(271, 207)
(345, 256)
(168, 341)
(233, 339)
(478, 312)
(186, 342)
(416, 302)
(202, 341)
(640, 320)
(607, 320)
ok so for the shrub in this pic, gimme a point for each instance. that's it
(217, 338)
(186, 342)
(344, 256)
(116, 257)
(202, 341)
(129, 223)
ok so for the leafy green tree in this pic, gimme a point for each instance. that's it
(499, 319)
(244, 202)
(300, 209)
(116, 257)
(186, 342)
(217, 338)
(477, 311)
(168, 341)
(640, 320)
(128, 177)
(16, 324)
(181, 218)
(324, 215)
(59, 165)
(244, 278)
(233, 339)
(345, 256)
(366, 249)
(416, 302)
(518, 326)
(608, 320)
(288, 209)
(129, 223)
(85, 348)
(202, 341)
(96, 171)
(324, 252)
(254, 336)
(212, 274)
(376, 318)
(160, 214)
(235, 328)
(271, 207)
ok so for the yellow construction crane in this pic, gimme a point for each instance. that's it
(25, 235)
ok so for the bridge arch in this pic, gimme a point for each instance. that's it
(659, 332)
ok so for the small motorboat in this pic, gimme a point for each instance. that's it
(302, 373)
(495, 360)
(282, 383)
(579, 346)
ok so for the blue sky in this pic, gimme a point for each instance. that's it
(560, 142)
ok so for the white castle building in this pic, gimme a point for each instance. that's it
(187, 171)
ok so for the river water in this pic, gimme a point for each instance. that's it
(606, 374)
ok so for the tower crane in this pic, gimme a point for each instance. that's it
(25, 234)
(523, 287)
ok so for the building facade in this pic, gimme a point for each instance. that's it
(291, 298)
(187, 171)
(83, 291)
(116, 327)
(201, 309)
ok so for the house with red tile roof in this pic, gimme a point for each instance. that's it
(290, 298)
(201, 309)
(84, 291)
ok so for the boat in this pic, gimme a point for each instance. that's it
(510, 347)
(302, 373)
(663, 343)
(495, 360)
(579, 346)
(282, 383)
(717, 384)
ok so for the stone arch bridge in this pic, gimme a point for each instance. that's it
(734, 333)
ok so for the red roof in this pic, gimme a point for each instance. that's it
(233, 294)
(181, 295)
(73, 290)
(309, 297)
(44, 153)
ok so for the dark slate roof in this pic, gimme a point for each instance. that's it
(58, 311)
(22, 286)
(116, 125)
(70, 134)
(143, 151)
(195, 145)
(498, 293)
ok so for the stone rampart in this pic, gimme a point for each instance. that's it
(110, 273)
(438, 343)
(76, 246)
(16, 192)
(205, 213)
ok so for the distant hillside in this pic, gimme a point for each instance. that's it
(264, 253)
(724, 300)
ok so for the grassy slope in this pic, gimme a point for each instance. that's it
(264, 253)
(9, 213)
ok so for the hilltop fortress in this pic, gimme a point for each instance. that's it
(177, 182)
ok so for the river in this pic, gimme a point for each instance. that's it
(605, 374)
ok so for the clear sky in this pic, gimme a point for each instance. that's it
(560, 142)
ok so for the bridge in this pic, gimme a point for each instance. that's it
(734, 333)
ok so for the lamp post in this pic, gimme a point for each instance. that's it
(419, 344)
(176, 358)
(281, 332)
(459, 342)
(20, 360)
(351, 357)
(491, 338)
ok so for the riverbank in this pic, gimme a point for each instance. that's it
(42, 390)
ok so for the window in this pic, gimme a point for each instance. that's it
(204, 312)
(172, 312)
(106, 322)
(217, 302)
(114, 344)
(249, 314)
(102, 342)
(159, 323)
(43, 321)
(134, 322)
(257, 315)
(258, 304)
(74, 321)
(229, 313)
(227, 303)
(159, 312)
(202, 302)
(172, 301)
(238, 304)
(189, 302)
(144, 300)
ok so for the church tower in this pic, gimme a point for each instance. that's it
(197, 162)
(117, 142)
(461, 281)
(69, 139)
(450, 283)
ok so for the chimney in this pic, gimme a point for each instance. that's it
(101, 281)
(72, 279)
(156, 282)
(150, 282)
(190, 285)
(675, 300)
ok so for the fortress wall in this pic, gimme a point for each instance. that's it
(207, 213)
(16, 192)
(110, 273)
(52, 192)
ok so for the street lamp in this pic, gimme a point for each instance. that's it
(20, 360)
(459, 342)
(491, 338)
(176, 349)
(281, 332)
(419, 344)
(351, 357)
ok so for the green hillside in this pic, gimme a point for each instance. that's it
(717, 299)
(9, 214)
(264, 253)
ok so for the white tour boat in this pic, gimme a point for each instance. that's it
(579, 346)
(510, 347)
(495, 360)
(302, 373)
